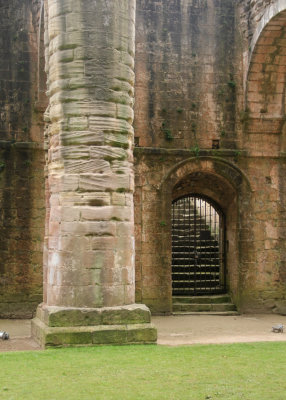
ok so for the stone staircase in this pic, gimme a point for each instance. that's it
(196, 253)
(197, 260)
(204, 305)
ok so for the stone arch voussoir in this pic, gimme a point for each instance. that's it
(211, 165)
(265, 78)
(269, 13)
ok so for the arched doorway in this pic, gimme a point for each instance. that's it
(227, 189)
(198, 247)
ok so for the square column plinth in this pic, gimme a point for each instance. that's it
(64, 326)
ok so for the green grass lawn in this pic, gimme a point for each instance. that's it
(238, 371)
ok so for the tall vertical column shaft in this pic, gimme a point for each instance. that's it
(89, 253)
(90, 83)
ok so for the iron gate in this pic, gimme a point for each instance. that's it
(197, 247)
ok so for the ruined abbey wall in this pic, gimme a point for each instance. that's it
(209, 119)
(21, 161)
(193, 91)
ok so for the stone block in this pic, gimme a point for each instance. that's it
(75, 295)
(103, 243)
(78, 123)
(56, 112)
(72, 98)
(81, 137)
(96, 260)
(125, 112)
(73, 22)
(84, 167)
(118, 199)
(111, 335)
(134, 314)
(113, 295)
(69, 214)
(110, 275)
(59, 326)
(64, 41)
(128, 275)
(101, 123)
(280, 307)
(67, 243)
(21, 309)
(72, 317)
(84, 199)
(63, 7)
(56, 25)
(106, 213)
(96, 182)
(118, 140)
(89, 228)
(141, 334)
(124, 229)
(68, 275)
(67, 338)
(65, 183)
(160, 306)
(99, 335)
(107, 152)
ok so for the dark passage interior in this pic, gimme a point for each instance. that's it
(197, 247)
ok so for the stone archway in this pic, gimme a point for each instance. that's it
(223, 183)
(265, 142)
(270, 12)
(265, 83)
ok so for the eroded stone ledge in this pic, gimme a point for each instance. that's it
(59, 326)
(72, 316)
(4, 144)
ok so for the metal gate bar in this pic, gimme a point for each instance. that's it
(197, 247)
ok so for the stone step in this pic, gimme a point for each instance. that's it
(201, 287)
(201, 253)
(200, 260)
(222, 313)
(219, 307)
(213, 299)
(186, 232)
(205, 257)
(190, 242)
(196, 262)
(192, 265)
(199, 247)
(196, 279)
(195, 275)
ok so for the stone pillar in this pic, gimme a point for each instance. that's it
(89, 252)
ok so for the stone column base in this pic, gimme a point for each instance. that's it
(63, 326)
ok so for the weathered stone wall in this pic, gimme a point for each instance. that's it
(185, 76)
(264, 114)
(21, 160)
(159, 174)
(21, 232)
(192, 65)
(185, 99)
(202, 81)
(250, 14)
